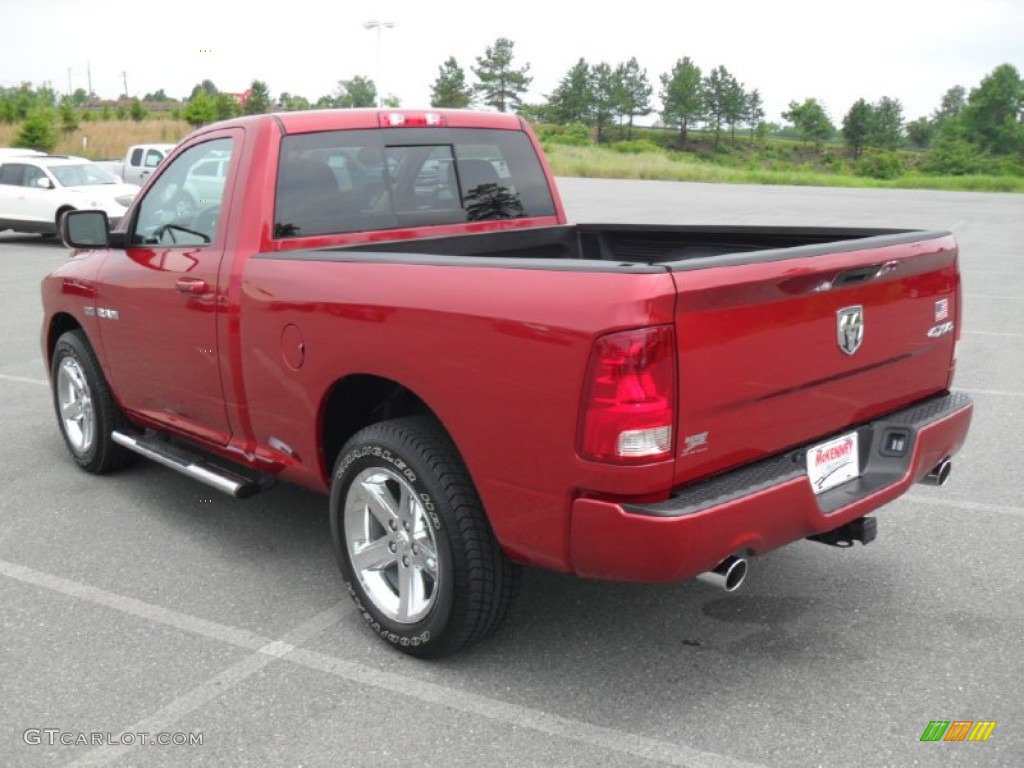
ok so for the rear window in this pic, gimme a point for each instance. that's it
(351, 181)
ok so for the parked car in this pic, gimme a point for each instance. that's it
(37, 190)
(139, 162)
(9, 152)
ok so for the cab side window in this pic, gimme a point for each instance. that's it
(183, 205)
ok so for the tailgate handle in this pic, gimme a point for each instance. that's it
(192, 285)
(862, 274)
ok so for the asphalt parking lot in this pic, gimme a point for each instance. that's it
(130, 604)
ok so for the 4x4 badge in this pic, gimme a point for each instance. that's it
(850, 328)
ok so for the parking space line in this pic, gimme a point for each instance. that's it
(266, 651)
(994, 333)
(165, 718)
(24, 379)
(996, 392)
(210, 629)
(967, 506)
(506, 713)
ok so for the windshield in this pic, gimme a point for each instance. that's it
(81, 175)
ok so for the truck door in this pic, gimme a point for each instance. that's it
(150, 160)
(133, 166)
(160, 299)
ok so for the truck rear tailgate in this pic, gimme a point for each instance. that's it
(783, 350)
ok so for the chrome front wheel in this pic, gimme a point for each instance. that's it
(74, 404)
(86, 410)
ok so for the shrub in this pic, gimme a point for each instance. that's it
(880, 165)
(573, 134)
(37, 132)
(635, 147)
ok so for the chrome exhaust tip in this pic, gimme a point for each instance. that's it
(728, 574)
(939, 474)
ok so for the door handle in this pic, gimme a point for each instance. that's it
(192, 285)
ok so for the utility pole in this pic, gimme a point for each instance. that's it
(124, 76)
(379, 26)
(69, 81)
(88, 76)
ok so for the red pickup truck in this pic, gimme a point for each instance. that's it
(390, 308)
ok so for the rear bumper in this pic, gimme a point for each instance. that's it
(762, 506)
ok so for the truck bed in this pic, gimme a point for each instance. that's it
(598, 246)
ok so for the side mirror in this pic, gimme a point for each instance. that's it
(85, 229)
(44, 182)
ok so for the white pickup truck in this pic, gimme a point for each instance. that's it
(139, 162)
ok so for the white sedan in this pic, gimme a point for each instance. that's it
(35, 192)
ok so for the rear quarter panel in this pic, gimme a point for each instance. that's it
(499, 355)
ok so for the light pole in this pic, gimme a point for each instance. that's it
(379, 26)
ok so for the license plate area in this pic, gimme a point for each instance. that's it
(833, 462)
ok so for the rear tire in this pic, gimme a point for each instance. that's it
(413, 542)
(86, 411)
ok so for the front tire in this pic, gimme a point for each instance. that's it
(413, 541)
(86, 411)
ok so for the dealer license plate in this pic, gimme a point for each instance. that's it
(833, 463)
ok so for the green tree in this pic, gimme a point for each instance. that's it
(291, 103)
(753, 112)
(68, 115)
(887, 126)
(201, 109)
(857, 127)
(501, 85)
(719, 98)
(994, 111)
(137, 112)
(258, 102)
(38, 131)
(953, 103)
(79, 97)
(206, 87)
(811, 121)
(735, 104)
(158, 95)
(355, 93)
(227, 106)
(634, 90)
(451, 90)
(682, 97)
(920, 132)
(603, 79)
(573, 99)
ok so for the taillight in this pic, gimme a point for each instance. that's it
(411, 119)
(629, 396)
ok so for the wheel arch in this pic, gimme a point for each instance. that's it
(60, 323)
(357, 401)
(65, 208)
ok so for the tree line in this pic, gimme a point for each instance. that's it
(970, 131)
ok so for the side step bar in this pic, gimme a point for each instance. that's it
(192, 465)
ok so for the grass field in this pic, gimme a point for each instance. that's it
(109, 139)
(604, 163)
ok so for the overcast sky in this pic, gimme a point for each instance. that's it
(837, 52)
